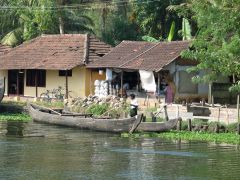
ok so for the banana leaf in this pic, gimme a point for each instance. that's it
(171, 32)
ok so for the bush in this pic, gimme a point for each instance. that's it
(97, 109)
(232, 127)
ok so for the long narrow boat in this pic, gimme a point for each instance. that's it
(83, 121)
(2, 88)
(157, 126)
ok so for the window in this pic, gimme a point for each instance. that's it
(63, 72)
(41, 78)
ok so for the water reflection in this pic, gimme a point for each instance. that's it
(51, 152)
(15, 128)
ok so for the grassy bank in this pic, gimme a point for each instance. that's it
(230, 138)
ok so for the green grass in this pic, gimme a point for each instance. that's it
(230, 138)
(14, 117)
(55, 104)
(14, 103)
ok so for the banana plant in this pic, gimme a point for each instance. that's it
(186, 29)
(171, 32)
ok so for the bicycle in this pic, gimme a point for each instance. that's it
(46, 96)
(54, 94)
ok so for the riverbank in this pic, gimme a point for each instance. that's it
(229, 138)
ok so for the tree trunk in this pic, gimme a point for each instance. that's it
(61, 24)
(60, 18)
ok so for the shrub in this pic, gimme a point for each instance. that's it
(97, 109)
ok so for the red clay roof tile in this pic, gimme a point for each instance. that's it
(141, 55)
(53, 52)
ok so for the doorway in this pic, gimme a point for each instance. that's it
(15, 82)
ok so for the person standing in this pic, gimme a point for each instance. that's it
(170, 91)
(133, 105)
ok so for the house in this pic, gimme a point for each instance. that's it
(50, 61)
(162, 58)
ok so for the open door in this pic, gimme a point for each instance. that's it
(15, 82)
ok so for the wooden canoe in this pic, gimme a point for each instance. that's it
(157, 126)
(46, 115)
(2, 88)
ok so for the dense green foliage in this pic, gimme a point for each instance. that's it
(217, 43)
(213, 26)
(112, 21)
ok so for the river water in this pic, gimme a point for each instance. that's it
(38, 151)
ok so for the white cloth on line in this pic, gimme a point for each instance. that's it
(148, 81)
(109, 75)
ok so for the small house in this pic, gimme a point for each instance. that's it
(51, 61)
(162, 58)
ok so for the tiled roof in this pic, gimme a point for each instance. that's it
(54, 52)
(4, 49)
(141, 55)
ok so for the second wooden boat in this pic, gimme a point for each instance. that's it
(157, 126)
(83, 121)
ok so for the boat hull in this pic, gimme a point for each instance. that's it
(157, 126)
(106, 125)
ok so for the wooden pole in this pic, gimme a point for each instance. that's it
(177, 111)
(189, 125)
(209, 93)
(238, 113)
(122, 83)
(154, 118)
(158, 84)
(4, 83)
(179, 125)
(17, 83)
(36, 83)
(66, 77)
(91, 83)
(219, 110)
(165, 111)
(144, 119)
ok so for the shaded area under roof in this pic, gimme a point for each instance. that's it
(141, 55)
(54, 52)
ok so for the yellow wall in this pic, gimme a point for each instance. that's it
(79, 83)
(91, 76)
(76, 83)
(4, 73)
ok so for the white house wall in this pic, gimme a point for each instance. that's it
(4, 73)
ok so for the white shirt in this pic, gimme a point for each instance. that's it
(134, 103)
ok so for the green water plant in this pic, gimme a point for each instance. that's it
(230, 138)
(14, 117)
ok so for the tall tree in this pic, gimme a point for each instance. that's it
(217, 43)
(29, 18)
(153, 17)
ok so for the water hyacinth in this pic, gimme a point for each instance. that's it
(230, 138)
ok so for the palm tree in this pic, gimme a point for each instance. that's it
(32, 18)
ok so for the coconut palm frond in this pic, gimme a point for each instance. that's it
(13, 38)
(149, 39)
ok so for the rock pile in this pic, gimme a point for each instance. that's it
(81, 104)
